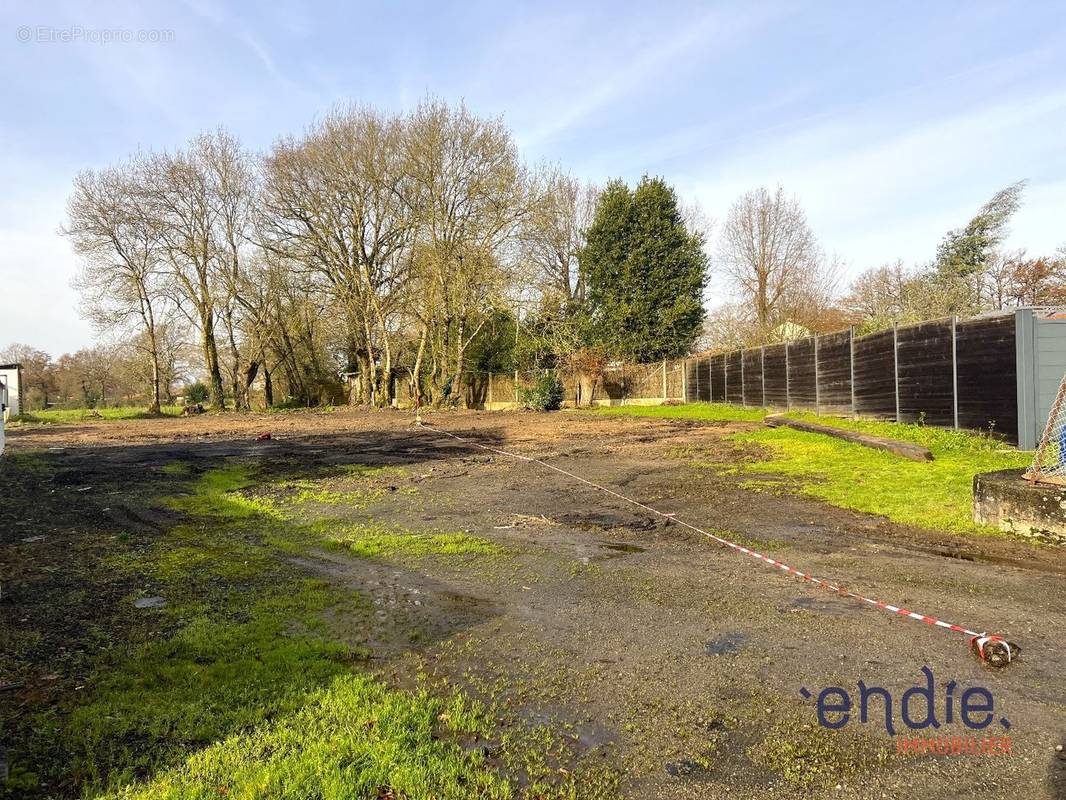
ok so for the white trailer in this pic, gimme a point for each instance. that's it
(10, 395)
(11, 390)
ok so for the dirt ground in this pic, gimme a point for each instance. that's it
(662, 654)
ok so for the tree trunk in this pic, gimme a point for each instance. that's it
(586, 385)
(154, 408)
(268, 386)
(416, 373)
(457, 395)
(249, 378)
(240, 393)
(210, 346)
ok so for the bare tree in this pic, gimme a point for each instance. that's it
(121, 275)
(184, 212)
(336, 205)
(554, 232)
(772, 259)
(1014, 279)
(471, 192)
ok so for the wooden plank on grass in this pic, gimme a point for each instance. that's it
(914, 452)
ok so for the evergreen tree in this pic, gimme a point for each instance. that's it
(971, 249)
(644, 273)
(965, 254)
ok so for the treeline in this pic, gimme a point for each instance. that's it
(106, 374)
(400, 251)
(785, 287)
(387, 256)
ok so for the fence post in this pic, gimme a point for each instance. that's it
(762, 371)
(684, 380)
(895, 365)
(490, 389)
(954, 373)
(725, 377)
(788, 386)
(697, 373)
(516, 387)
(743, 388)
(817, 388)
(665, 398)
(851, 356)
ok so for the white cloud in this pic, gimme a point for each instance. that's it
(876, 190)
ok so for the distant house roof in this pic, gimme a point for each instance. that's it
(10, 366)
(788, 331)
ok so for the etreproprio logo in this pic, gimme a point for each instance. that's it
(919, 708)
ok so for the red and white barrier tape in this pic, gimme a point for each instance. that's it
(994, 650)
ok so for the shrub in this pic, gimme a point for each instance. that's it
(196, 393)
(545, 395)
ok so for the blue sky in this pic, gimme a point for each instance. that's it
(892, 122)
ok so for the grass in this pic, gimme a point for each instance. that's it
(239, 687)
(936, 494)
(810, 757)
(354, 738)
(218, 495)
(57, 416)
(375, 541)
(710, 412)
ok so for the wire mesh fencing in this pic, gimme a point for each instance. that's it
(1049, 463)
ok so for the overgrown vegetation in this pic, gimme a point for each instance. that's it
(545, 395)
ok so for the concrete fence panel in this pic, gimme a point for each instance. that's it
(834, 373)
(802, 385)
(925, 373)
